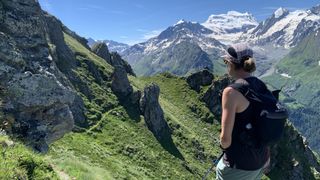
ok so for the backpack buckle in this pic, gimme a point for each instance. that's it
(264, 113)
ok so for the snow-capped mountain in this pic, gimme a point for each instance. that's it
(277, 34)
(167, 51)
(91, 41)
(113, 46)
(229, 27)
(284, 28)
(182, 31)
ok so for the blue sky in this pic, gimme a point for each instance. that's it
(133, 21)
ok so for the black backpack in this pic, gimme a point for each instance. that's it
(269, 118)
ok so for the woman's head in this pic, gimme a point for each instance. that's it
(239, 57)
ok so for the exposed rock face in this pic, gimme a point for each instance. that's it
(114, 59)
(65, 61)
(316, 9)
(292, 155)
(201, 78)
(120, 83)
(101, 50)
(153, 113)
(39, 97)
(214, 94)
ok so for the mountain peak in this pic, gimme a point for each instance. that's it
(236, 13)
(315, 9)
(279, 12)
(181, 21)
(233, 22)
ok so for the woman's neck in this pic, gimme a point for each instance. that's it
(242, 75)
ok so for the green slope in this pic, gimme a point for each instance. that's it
(302, 89)
(18, 162)
(119, 145)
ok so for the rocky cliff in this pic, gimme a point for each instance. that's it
(113, 58)
(39, 96)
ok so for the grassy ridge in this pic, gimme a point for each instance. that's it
(118, 146)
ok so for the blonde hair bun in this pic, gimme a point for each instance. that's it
(249, 65)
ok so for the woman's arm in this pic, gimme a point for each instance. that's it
(228, 116)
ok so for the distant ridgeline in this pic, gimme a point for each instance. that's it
(299, 74)
(285, 45)
(92, 118)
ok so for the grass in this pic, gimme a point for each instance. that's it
(116, 146)
(94, 84)
(18, 162)
(120, 148)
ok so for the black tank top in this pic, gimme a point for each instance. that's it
(245, 152)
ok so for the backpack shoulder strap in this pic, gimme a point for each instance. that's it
(242, 86)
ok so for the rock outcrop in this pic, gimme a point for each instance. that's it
(120, 83)
(65, 61)
(114, 59)
(153, 113)
(198, 79)
(214, 94)
(292, 156)
(80, 39)
(101, 49)
(39, 96)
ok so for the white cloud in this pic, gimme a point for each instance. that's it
(146, 34)
(151, 34)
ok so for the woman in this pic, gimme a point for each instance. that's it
(241, 159)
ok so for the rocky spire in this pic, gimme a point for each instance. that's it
(114, 59)
(153, 113)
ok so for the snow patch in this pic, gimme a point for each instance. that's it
(286, 75)
(228, 38)
(50, 57)
(313, 17)
(181, 21)
(165, 43)
(279, 12)
(150, 47)
(223, 24)
(287, 24)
